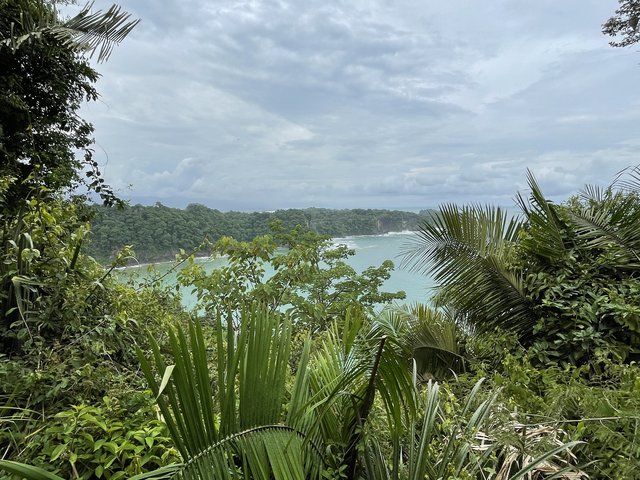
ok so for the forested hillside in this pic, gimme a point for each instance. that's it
(158, 232)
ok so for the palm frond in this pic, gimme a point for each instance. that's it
(186, 402)
(357, 360)
(267, 452)
(163, 473)
(234, 430)
(546, 239)
(593, 193)
(375, 463)
(251, 372)
(394, 382)
(598, 229)
(362, 411)
(456, 452)
(433, 337)
(466, 251)
(98, 31)
(93, 32)
(263, 367)
(628, 179)
(610, 220)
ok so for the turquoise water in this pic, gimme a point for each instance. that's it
(370, 250)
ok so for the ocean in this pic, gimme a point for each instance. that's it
(370, 250)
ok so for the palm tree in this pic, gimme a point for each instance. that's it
(434, 337)
(87, 31)
(468, 252)
(532, 275)
(608, 218)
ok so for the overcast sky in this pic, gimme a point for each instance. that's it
(265, 104)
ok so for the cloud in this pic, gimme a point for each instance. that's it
(266, 104)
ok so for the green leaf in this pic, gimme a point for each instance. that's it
(27, 472)
(57, 452)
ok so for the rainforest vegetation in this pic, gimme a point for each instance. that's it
(524, 365)
(159, 232)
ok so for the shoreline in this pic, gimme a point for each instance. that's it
(159, 262)
(396, 233)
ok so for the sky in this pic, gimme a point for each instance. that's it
(403, 104)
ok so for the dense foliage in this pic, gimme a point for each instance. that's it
(159, 232)
(562, 282)
(42, 86)
(45, 79)
(563, 278)
(533, 336)
(69, 384)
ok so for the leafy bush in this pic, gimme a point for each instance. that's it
(68, 331)
(103, 441)
(310, 278)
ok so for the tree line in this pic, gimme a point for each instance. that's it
(159, 232)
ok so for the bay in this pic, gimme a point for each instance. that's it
(370, 250)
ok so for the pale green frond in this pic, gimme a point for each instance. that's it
(375, 463)
(252, 369)
(420, 463)
(234, 431)
(268, 452)
(456, 452)
(263, 368)
(459, 451)
(27, 472)
(356, 361)
(300, 395)
(163, 473)
(394, 382)
(186, 402)
(539, 461)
